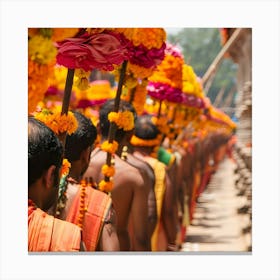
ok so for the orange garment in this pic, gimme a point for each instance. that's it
(158, 240)
(97, 206)
(46, 233)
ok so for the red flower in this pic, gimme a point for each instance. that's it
(96, 51)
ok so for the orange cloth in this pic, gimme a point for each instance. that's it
(158, 240)
(97, 205)
(46, 233)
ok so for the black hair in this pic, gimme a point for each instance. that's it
(145, 128)
(81, 139)
(44, 149)
(108, 107)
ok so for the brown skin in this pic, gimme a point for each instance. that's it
(44, 192)
(168, 217)
(108, 240)
(149, 179)
(129, 195)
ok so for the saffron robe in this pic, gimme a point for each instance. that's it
(46, 233)
(97, 212)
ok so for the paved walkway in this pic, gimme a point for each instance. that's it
(217, 227)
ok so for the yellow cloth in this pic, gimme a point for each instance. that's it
(159, 170)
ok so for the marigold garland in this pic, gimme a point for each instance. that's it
(66, 165)
(108, 171)
(136, 141)
(110, 147)
(105, 186)
(123, 120)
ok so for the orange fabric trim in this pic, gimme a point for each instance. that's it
(97, 205)
(46, 233)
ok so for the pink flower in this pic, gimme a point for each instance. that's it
(147, 57)
(96, 51)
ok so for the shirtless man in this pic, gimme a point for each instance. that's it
(98, 226)
(129, 194)
(144, 142)
(125, 152)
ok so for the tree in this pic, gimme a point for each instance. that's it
(200, 46)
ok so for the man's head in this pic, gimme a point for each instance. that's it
(105, 123)
(44, 161)
(79, 144)
(145, 128)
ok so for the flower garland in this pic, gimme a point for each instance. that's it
(61, 202)
(136, 141)
(110, 147)
(123, 120)
(83, 208)
(57, 122)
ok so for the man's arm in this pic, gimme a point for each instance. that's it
(168, 215)
(139, 213)
(109, 239)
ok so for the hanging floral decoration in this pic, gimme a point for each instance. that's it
(123, 120)
(110, 147)
(64, 171)
(57, 122)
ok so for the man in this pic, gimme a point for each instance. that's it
(145, 140)
(97, 218)
(125, 153)
(46, 233)
(129, 193)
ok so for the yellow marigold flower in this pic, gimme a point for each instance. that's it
(105, 186)
(123, 120)
(60, 34)
(37, 82)
(41, 49)
(108, 171)
(110, 147)
(57, 122)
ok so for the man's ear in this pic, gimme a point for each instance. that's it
(85, 154)
(49, 176)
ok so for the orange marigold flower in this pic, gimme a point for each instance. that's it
(123, 120)
(108, 171)
(109, 147)
(60, 34)
(105, 186)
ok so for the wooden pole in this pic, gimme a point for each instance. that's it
(213, 67)
(113, 127)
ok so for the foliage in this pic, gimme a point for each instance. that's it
(200, 46)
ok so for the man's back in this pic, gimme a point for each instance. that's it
(129, 196)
